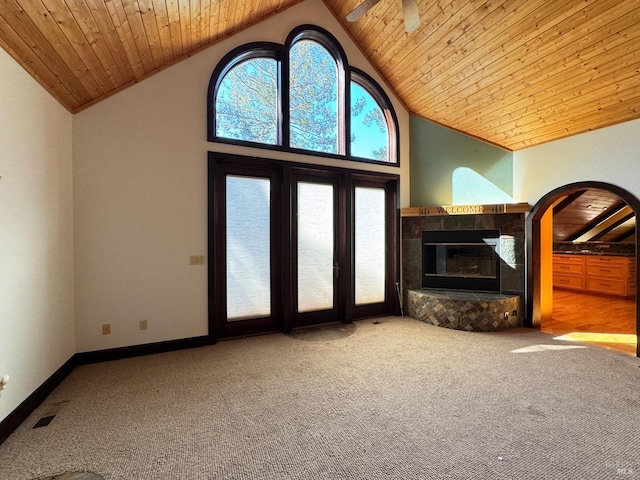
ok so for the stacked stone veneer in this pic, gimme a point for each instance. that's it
(512, 249)
(472, 312)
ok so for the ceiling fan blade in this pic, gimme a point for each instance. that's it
(411, 15)
(360, 10)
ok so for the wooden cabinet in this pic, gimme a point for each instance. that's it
(569, 271)
(595, 273)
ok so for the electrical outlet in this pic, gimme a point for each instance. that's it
(143, 324)
(106, 328)
(196, 260)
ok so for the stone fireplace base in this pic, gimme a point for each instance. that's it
(463, 310)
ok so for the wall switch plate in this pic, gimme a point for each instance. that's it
(196, 260)
(106, 328)
(143, 324)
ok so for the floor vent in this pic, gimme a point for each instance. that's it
(49, 414)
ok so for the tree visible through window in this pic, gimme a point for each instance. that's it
(313, 94)
(246, 100)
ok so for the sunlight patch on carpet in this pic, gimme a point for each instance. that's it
(593, 337)
(543, 348)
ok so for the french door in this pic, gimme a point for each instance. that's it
(293, 245)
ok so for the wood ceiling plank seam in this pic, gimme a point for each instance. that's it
(252, 15)
(145, 10)
(440, 34)
(498, 86)
(26, 56)
(206, 22)
(533, 25)
(96, 39)
(121, 24)
(238, 18)
(103, 19)
(381, 22)
(491, 37)
(196, 23)
(463, 60)
(550, 76)
(473, 71)
(604, 99)
(401, 45)
(551, 133)
(214, 11)
(135, 23)
(223, 30)
(66, 22)
(164, 31)
(418, 73)
(623, 110)
(185, 25)
(387, 29)
(173, 13)
(545, 78)
(581, 86)
(42, 26)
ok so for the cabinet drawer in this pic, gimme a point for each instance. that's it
(568, 268)
(613, 270)
(610, 286)
(603, 260)
(568, 281)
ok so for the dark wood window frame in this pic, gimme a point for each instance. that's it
(283, 174)
(346, 74)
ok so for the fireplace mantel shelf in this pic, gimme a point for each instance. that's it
(443, 210)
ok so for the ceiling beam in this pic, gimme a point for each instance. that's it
(612, 221)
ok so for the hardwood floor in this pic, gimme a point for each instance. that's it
(605, 321)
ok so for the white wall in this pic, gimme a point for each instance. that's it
(36, 234)
(610, 155)
(140, 193)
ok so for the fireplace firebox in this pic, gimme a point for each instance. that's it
(461, 259)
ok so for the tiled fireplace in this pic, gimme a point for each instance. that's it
(466, 302)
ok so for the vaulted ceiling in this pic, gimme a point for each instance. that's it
(514, 73)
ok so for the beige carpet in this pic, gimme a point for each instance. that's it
(397, 400)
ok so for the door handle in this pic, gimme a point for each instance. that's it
(336, 270)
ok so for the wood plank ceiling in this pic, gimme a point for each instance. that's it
(514, 73)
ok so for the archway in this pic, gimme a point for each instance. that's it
(534, 245)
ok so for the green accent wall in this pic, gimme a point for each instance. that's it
(450, 168)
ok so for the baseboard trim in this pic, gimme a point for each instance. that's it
(98, 356)
(33, 401)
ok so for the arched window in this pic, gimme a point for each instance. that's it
(301, 97)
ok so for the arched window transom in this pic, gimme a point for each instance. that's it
(294, 97)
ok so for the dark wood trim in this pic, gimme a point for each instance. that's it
(289, 172)
(532, 298)
(33, 401)
(119, 353)
(281, 54)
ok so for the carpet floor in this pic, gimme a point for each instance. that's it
(395, 400)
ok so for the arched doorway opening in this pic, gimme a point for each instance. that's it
(538, 273)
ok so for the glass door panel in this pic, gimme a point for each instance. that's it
(315, 246)
(370, 245)
(248, 247)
